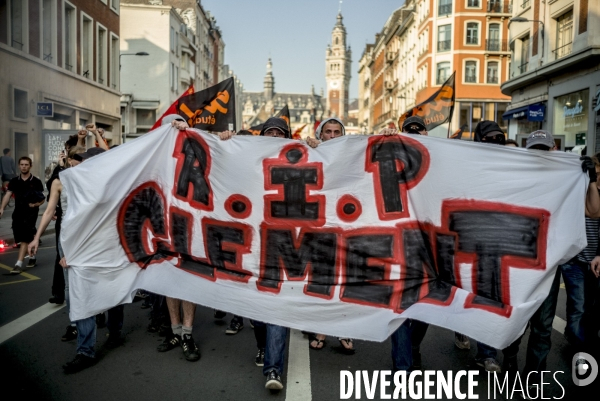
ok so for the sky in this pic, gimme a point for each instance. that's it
(295, 34)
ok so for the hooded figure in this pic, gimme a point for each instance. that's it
(489, 129)
(169, 118)
(320, 127)
(277, 123)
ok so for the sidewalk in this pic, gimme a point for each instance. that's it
(6, 224)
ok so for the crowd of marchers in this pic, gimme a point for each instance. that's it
(174, 319)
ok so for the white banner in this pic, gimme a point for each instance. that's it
(347, 239)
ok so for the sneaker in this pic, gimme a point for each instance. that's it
(190, 349)
(172, 341)
(260, 357)
(461, 341)
(55, 299)
(78, 364)
(251, 324)
(234, 327)
(273, 381)
(32, 262)
(490, 365)
(114, 340)
(16, 270)
(70, 334)
(219, 314)
(101, 320)
(153, 326)
(146, 303)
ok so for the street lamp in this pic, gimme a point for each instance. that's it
(131, 54)
(523, 19)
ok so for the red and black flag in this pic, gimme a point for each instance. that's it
(437, 109)
(212, 109)
(283, 113)
(173, 107)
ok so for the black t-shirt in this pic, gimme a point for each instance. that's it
(22, 190)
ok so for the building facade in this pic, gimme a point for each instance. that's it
(59, 70)
(554, 80)
(184, 46)
(420, 46)
(305, 108)
(338, 63)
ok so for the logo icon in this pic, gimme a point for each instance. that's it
(584, 368)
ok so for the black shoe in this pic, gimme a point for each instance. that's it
(78, 364)
(32, 262)
(100, 320)
(172, 341)
(260, 357)
(190, 349)
(273, 381)
(57, 300)
(219, 314)
(71, 334)
(234, 327)
(114, 340)
(146, 303)
(153, 326)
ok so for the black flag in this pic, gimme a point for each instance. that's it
(212, 109)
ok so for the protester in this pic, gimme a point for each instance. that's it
(7, 167)
(29, 196)
(540, 324)
(511, 143)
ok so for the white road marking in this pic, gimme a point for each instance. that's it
(298, 374)
(13, 328)
(559, 324)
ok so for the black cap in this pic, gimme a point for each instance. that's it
(88, 154)
(487, 128)
(415, 123)
(278, 123)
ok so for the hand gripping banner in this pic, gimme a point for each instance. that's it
(347, 239)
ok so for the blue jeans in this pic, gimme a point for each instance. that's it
(404, 339)
(574, 277)
(275, 350)
(86, 336)
(540, 324)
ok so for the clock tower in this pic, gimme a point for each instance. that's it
(338, 60)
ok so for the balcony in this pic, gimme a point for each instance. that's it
(497, 7)
(496, 45)
(444, 9)
(563, 51)
(525, 4)
(391, 56)
(444, 45)
(471, 78)
(384, 117)
(523, 68)
(389, 85)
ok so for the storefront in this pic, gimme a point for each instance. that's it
(571, 118)
(472, 113)
(526, 119)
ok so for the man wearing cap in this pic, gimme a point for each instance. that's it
(539, 344)
(489, 132)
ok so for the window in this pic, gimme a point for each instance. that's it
(114, 62)
(471, 71)
(49, 31)
(144, 120)
(87, 54)
(18, 24)
(524, 54)
(172, 75)
(445, 7)
(70, 41)
(492, 72)
(472, 33)
(172, 40)
(473, 3)
(101, 53)
(493, 41)
(114, 5)
(20, 102)
(444, 38)
(564, 35)
(443, 72)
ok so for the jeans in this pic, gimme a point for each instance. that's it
(539, 344)
(260, 333)
(275, 350)
(404, 339)
(115, 320)
(574, 277)
(86, 336)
